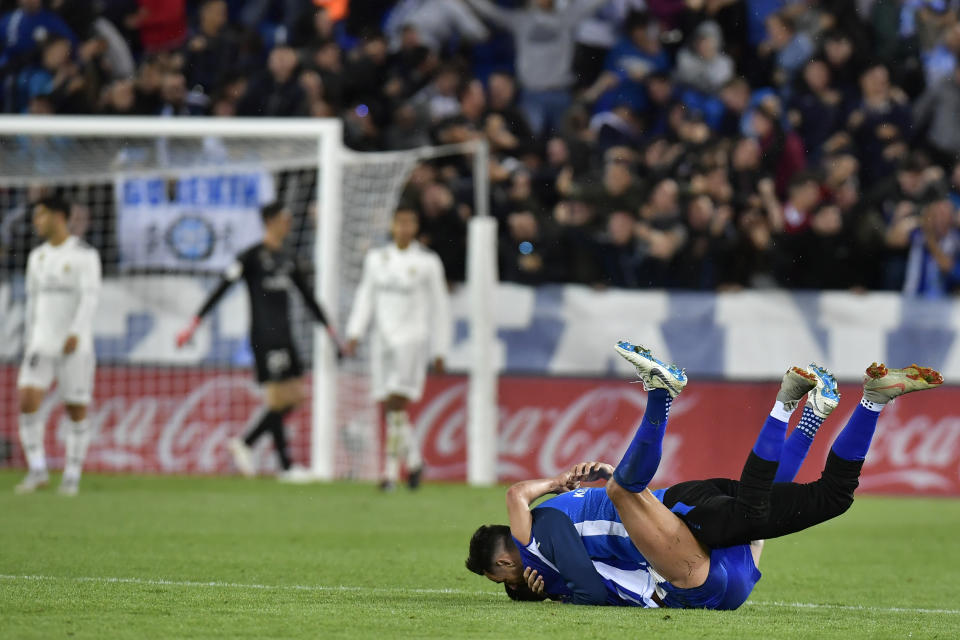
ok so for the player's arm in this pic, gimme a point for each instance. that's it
(90, 278)
(362, 310)
(521, 495)
(442, 321)
(561, 544)
(300, 281)
(233, 273)
(31, 292)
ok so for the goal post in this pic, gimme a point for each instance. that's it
(304, 164)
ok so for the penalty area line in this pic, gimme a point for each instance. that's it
(158, 582)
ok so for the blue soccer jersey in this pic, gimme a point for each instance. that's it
(581, 549)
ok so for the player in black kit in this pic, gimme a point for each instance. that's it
(269, 272)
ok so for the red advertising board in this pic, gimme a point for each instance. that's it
(178, 421)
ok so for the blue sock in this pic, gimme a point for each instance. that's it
(770, 441)
(797, 446)
(854, 441)
(640, 462)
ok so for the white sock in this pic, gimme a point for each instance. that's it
(414, 460)
(780, 412)
(394, 446)
(78, 440)
(31, 439)
(870, 405)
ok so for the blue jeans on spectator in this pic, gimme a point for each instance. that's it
(545, 109)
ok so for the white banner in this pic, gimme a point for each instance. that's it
(191, 222)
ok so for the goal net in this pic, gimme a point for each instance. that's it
(167, 214)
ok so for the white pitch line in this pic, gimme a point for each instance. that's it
(402, 590)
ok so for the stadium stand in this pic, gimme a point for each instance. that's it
(701, 144)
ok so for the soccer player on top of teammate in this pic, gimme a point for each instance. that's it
(696, 544)
(269, 271)
(403, 289)
(63, 282)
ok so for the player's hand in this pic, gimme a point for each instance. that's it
(591, 471)
(70, 345)
(184, 336)
(534, 581)
(565, 482)
(439, 366)
(350, 349)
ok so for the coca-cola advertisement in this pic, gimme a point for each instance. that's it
(158, 420)
(548, 424)
(177, 420)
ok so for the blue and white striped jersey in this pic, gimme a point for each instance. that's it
(561, 553)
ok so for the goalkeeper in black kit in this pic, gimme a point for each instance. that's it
(269, 272)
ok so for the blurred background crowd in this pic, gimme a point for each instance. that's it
(699, 144)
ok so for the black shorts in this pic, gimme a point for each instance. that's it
(277, 363)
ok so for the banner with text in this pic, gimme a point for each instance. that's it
(192, 222)
(179, 420)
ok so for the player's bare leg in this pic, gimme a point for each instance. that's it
(31, 439)
(281, 398)
(77, 442)
(662, 537)
(658, 534)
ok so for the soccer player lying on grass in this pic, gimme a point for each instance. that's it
(688, 546)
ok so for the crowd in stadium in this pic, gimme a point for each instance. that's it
(705, 144)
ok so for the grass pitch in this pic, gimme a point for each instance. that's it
(161, 557)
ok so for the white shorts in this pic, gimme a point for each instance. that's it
(398, 370)
(73, 373)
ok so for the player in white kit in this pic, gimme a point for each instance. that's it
(403, 290)
(63, 282)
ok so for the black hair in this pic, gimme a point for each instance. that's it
(270, 211)
(55, 204)
(406, 207)
(484, 544)
(522, 593)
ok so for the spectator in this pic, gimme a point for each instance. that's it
(816, 109)
(704, 66)
(276, 92)
(941, 61)
(879, 125)
(528, 252)
(937, 112)
(782, 151)
(709, 239)
(933, 265)
(120, 99)
(502, 102)
(619, 252)
(628, 64)
(618, 190)
(786, 49)
(162, 24)
(468, 122)
(661, 232)
(543, 37)
(437, 23)
(443, 228)
(27, 27)
(844, 62)
(213, 51)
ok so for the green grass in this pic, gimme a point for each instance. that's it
(390, 566)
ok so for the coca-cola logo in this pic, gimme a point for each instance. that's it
(912, 449)
(541, 437)
(184, 430)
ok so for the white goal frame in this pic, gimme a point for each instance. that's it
(332, 155)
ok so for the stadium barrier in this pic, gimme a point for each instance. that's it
(546, 424)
